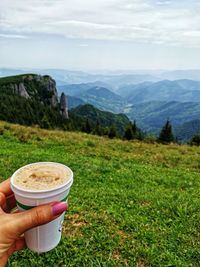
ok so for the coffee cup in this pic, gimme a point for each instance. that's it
(31, 193)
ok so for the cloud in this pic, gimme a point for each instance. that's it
(13, 36)
(147, 21)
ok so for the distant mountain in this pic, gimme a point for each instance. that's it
(103, 99)
(4, 72)
(127, 90)
(179, 90)
(98, 96)
(180, 74)
(105, 119)
(185, 131)
(74, 102)
(111, 80)
(151, 116)
(32, 99)
(74, 89)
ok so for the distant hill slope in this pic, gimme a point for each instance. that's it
(103, 99)
(99, 96)
(185, 131)
(179, 90)
(74, 89)
(101, 92)
(74, 102)
(32, 99)
(78, 89)
(106, 119)
(152, 115)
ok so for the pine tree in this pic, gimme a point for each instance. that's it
(112, 132)
(128, 134)
(98, 130)
(195, 140)
(88, 127)
(134, 129)
(166, 135)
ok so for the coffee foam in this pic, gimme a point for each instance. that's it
(42, 176)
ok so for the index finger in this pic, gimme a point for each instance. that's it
(5, 187)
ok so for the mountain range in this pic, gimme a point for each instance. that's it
(113, 79)
(150, 104)
(143, 96)
(100, 97)
(166, 90)
(151, 116)
(33, 99)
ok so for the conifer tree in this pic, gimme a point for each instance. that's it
(195, 140)
(128, 134)
(134, 129)
(98, 129)
(166, 135)
(88, 127)
(112, 132)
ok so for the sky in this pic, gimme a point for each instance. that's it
(100, 34)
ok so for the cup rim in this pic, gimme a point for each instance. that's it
(69, 181)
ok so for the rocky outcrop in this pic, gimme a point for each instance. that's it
(64, 106)
(22, 91)
(37, 87)
(50, 85)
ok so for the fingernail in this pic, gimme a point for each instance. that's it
(59, 207)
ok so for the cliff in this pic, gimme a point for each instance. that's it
(42, 88)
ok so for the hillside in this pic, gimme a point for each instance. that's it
(104, 118)
(74, 102)
(32, 99)
(131, 204)
(97, 95)
(103, 99)
(151, 116)
(185, 131)
(166, 90)
(77, 89)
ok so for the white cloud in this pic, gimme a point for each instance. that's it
(13, 36)
(148, 21)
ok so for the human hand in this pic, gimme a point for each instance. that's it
(13, 225)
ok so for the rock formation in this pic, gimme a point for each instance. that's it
(20, 89)
(50, 85)
(64, 106)
(38, 87)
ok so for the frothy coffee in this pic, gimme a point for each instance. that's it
(42, 176)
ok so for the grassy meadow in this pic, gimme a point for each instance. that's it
(132, 203)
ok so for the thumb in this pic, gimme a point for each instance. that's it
(2, 202)
(26, 220)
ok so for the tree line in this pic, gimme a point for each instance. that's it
(16, 109)
(133, 132)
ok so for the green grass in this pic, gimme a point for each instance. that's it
(132, 204)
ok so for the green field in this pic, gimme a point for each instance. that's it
(132, 204)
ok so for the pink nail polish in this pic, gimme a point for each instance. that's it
(59, 207)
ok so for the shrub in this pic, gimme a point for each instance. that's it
(195, 140)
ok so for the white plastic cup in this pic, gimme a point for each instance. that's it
(46, 237)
